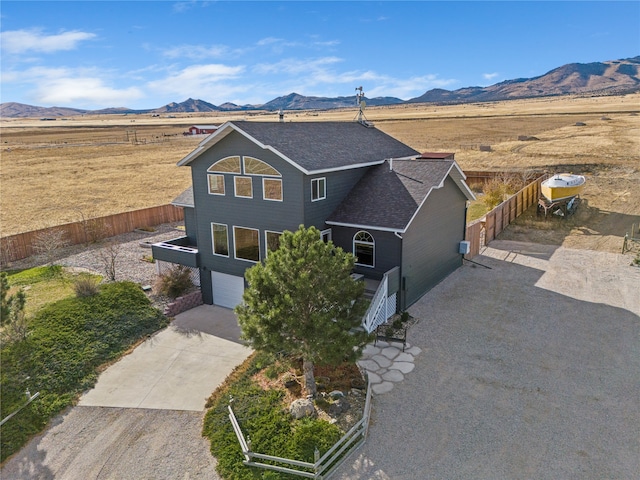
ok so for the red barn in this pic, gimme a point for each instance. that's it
(202, 129)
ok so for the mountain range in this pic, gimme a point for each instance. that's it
(614, 77)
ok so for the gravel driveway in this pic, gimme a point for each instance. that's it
(528, 370)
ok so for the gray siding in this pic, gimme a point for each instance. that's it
(255, 213)
(339, 184)
(190, 225)
(430, 246)
(387, 249)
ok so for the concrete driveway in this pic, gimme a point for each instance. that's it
(144, 417)
(177, 368)
(528, 370)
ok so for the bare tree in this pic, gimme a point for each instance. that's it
(109, 255)
(48, 243)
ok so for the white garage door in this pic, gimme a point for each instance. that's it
(227, 289)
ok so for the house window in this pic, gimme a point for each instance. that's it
(272, 189)
(226, 165)
(220, 239)
(325, 235)
(318, 189)
(364, 249)
(246, 244)
(244, 187)
(272, 240)
(216, 184)
(253, 166)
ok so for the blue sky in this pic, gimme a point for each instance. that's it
(146, 54)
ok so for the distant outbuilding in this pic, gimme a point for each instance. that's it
(202, 129)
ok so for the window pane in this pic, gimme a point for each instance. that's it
(229, 164)
(272, 189)
(253, 166)
(273, 241)
(220, 239)
(318, 191)
(246, 244)
(364, 254)
(216, 184)
(244, 187)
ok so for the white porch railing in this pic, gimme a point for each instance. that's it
(377, 312)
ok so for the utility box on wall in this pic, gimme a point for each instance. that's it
(464, 247)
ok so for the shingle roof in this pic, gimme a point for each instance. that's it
(185, 199)
(388, 198)
(318, 146)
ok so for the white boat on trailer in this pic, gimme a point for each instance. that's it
(562, 186)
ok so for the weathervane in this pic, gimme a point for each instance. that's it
(360, 101)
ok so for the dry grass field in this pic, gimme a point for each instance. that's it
(53, 172)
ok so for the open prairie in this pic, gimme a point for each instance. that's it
(53, 172)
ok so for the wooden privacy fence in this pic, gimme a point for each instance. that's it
(484, 230)
(21, 245)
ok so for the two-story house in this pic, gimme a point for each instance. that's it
(402, 216)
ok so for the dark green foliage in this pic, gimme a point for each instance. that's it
(67, 341)
(265, 421)
(175, 282)
(303, 301)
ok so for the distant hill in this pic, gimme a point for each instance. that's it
(615, 77)
(189, 105)
(295, 101)
(13, 109)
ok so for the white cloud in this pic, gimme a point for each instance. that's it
(73, 87)
(295, 66)
(197, 52)
(213, 82)
(490, 76)
(21, 41)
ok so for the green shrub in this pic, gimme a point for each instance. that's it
(175, 282)
(309, 434)
(68, 340)
(263, 419)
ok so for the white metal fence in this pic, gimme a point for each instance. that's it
(324, 465)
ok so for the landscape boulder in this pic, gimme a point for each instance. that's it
(302, 407)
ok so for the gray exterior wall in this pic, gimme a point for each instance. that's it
(430, 246)
(387, 249)
(339, 184)
(190, 225)
(255, 213)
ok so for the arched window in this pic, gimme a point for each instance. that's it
(364, 249)
(226, 165)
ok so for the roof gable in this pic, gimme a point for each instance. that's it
(314, 147)
(389, 195)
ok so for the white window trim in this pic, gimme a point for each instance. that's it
(326, 233)
(266, 244)
(244, 168)
(324, 192)
(373, 244)
(235, 186)
(235, 248)
(240, 164)
(224, 188)
(213, 242)
(281, 190)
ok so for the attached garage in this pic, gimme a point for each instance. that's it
(227, 289)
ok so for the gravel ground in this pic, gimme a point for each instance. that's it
(528, 370)
(125, 443)
(129, 263)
